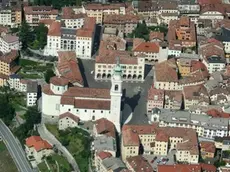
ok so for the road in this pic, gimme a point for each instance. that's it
(15, 149)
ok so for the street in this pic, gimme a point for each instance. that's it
(15, 149)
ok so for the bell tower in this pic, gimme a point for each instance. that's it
(116, 94)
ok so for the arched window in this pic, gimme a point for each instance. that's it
(116, 87)
(93, 117)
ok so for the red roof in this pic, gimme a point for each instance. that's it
(151, 47)
(55, 29)
(139, 164)
(179, 168)
(104, 155)
(106, 127)
(38, 143)
(60, 81)
(70, 115)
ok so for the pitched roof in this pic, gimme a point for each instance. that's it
(92, 104)
(55, 29)
(88, 92)
(104, 155)
(9, 57)
(148, 47)
(38, 143)
(166, 71)
(139, 164)
(156, 35)
(68, 67)
(59, 80)
(155, 94)
(208, 146)
(68, 13)
(69, 115)
(179, 168)
(106, 127)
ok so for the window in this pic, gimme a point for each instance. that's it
(116, 87)
(85, 110)
(102, 111)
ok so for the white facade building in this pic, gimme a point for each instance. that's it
(67, 120)
(15, 82)
(214, 63)
(32, 93)
(9, 42)
(85, 103)
(70, 38)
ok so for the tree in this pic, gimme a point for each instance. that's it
(25, 35)
(49, 74)
(141, 31)
(41, 36)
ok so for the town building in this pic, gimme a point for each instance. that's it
(204, 125)
(207, 149)
(155, 98)
(9, 63)
(17, 83)
(105, 162)
(187, 168)
(67, 120)
(33, 14)
(99, 10)
(195, 95)
(158, 141)
(156, 36)
(213, 12)
(36, 149)
(123, 23)
(138, 163)
(104, 127)
(85, 103)
(212, 53)
(62, 38)
(9, 42)
(183, 31)
(153, 52)
(173, 99)
(11, 16)
(188, 7)
(32, 93)
(133, 68)
(68, 67)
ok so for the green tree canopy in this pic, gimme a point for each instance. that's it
(40, 36)
(141, 31)
(25, 34)
(49, 74)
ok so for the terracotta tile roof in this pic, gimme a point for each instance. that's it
(4, 29)
(197, 76)
(60, 81)
(46, 21)
(213, 7)
(68, 13)
(207, 2)
(92, 104)
(68, 67)
(130, 133)
(156, 35)
(95, 93)
(95, 6)
(65, 100)
(208, 167)
(38, 143)
(155, 94)
(9, 57)
(139, 164)
(179, 168)
(197, 65)
(166, 71)
(174, 95)
(112, 43)
(137, 41)
(120, 19)
(109, 57)
(88, 28)
(69, 115)
(106, 127)
(196, 92)
(148, 47)
(208, 146)
(10, 38)
(55, 29)
(46, 89)
(42, 10)
(162, 136)
(2, 76)
(104, 155)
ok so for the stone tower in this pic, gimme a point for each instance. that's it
(116, 94)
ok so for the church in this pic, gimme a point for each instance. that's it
(86, 104)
